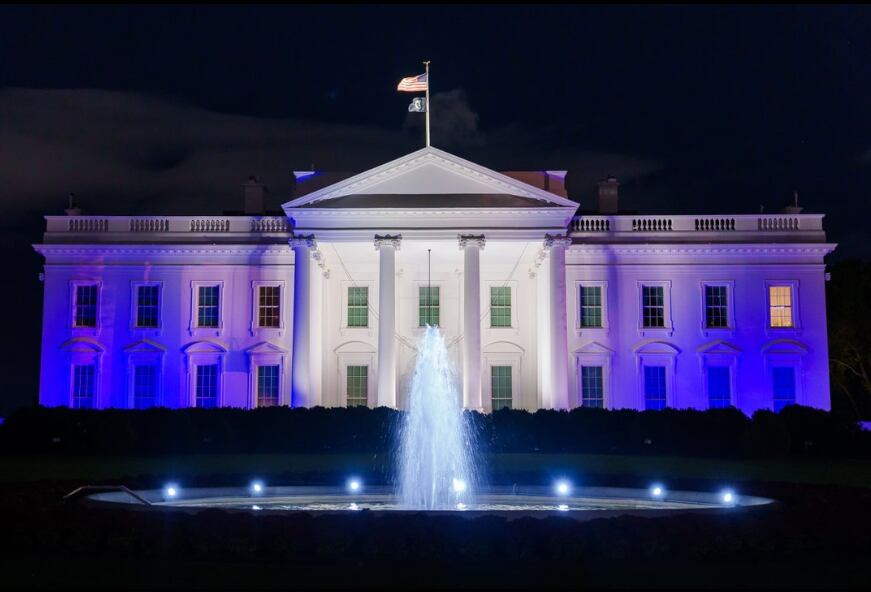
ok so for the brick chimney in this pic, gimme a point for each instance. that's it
(255, 196)
(608, 195)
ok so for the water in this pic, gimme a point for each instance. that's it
(436, 464)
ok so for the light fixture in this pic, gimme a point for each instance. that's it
(459, 486)
(657, 490)
(170, 491)
(727, 496)
(354, 485)
(563, 507)
(563, 487)
(257, 487)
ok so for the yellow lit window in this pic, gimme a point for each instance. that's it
(780, 306)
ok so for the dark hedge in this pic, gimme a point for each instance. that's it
(799, 431)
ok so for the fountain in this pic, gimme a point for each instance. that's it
(436, 464)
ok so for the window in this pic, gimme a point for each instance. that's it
(147, 306)
(654, 387)
(592, 387)
(358, 386)
(653, 306)
(358, 306)
(783, 386)
(716, 307)
(590, 306)
(428, 297)
(85, 314)
(144, 386)
(501, 387)
(84, 386)
(719, 387)
(269, 306)
(207, 386)
(780, 306)
(500, 306)
(267, 386)
(208, 306)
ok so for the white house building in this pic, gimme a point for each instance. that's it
(540, 308)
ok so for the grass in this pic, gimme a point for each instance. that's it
(101, 468)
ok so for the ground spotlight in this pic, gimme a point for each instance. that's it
(563, 507)
(257, 487)
(170, 490)
(354, 485)
(563, 487)
(459, 486)
(727, 496)
(461, 506)
(657, 490)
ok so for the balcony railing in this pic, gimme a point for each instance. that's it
(188, 225)
(696, 225)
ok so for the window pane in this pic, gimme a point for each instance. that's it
(207, 386)
(783, 385)
(267, 386)
(358, 386)
(147, 306)
(719, 387)
(500, 306)
(269, 306)
(428, 306)
(144, 386)
(84, 386)
(654, 387)
(780, 306)
(207, 306)
(653, 306)
(592, 392)
(591, 306)
(716, 307)
(358, 306)
(501, 387)
(86, 306)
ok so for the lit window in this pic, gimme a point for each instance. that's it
(267, 386)
(592, 387)
(84, 386)
(147, 306)
(358, 306)
(653, 306)
(780, 306)
(85, 306)
(719, 387)
(783, 385)
(591, 306)
(269, 306)
(500, 306)
(654, 387)
(208, 306)
(144, 386)
(501, 387)
(716, 307)
(207, 386)
(428, 309)
(358, 386)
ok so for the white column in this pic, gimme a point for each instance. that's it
(471, 246)
(387, 247)
(300, 394)
(559, 354)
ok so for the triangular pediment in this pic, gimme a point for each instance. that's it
(264, 347)
(594, 347)
(426, 178)
(144, 346)
(718, 347)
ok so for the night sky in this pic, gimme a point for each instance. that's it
(168, 110)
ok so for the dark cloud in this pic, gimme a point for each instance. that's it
(133, 153)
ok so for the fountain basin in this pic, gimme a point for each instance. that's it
(511, 502)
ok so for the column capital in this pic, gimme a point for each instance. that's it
(466, 240)
(556, 240)
(389, 240)
(303, 240)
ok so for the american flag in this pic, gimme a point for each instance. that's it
(413, 83)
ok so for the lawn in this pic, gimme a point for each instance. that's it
(503, 467)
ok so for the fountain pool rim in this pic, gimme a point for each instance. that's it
(584, 503)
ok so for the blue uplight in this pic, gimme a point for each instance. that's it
(257, 487)
(563, 487)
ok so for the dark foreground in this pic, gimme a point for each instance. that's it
(817, 536)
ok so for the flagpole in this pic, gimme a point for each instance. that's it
(426, 63)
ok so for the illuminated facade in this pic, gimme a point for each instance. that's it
(541, 308)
